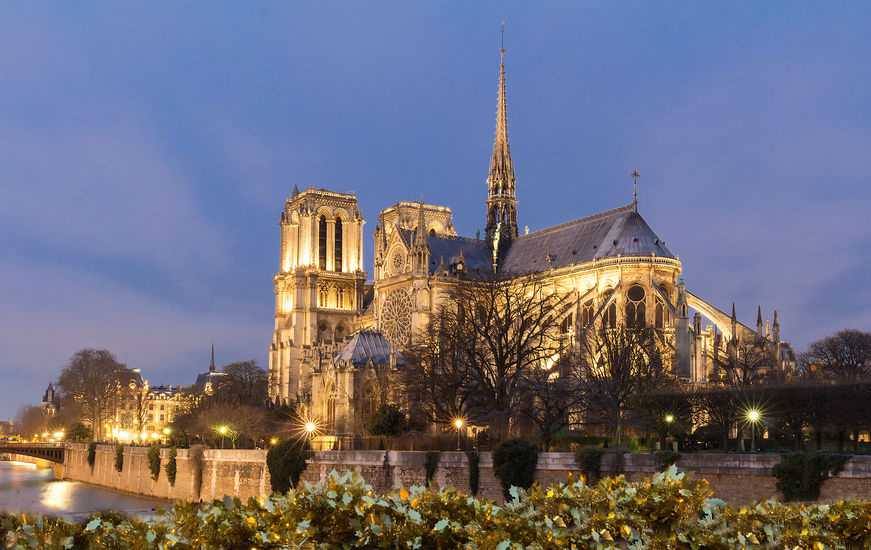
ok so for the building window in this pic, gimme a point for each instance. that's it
(337, 262)
(322, 243)
(635, 314)
(323, 297)
(566, 325)
(162, 407)
(340, 298)
(587, 314)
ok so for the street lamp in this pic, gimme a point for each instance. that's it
(669, 418)
(753, 417)
(459, 424)
(223, 430)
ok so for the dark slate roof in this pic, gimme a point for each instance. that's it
(364, 345)
(209, 376)
(621, 231)
(476, 254)
(127, 376)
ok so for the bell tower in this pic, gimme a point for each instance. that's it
(319, 286)
(501, 225)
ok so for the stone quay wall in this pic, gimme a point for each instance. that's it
(200, 474)
(736, 478)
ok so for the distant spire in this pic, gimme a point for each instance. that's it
(734, 318)
(635, 175)
(501, 202)
(421, 224)
(759, 315)
(212, 364)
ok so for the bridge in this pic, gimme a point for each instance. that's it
(53, 452)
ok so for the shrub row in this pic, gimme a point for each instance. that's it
(667, 511)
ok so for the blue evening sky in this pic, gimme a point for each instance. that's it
(146, 150)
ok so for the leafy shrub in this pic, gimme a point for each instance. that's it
(474, 473)
(119, 457)
(387, 421)
(432, 462)
(154, 461)
(514, 462)
(92, 453)
(664, 459)
(78, 432)
(801, 475)
(589, 461)
(668, 511)
(171, 467)
(286, 462)
(631, 443)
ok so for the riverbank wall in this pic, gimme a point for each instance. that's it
(210, 474)
(201, 474)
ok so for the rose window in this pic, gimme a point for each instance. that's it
(396, 318)
(397, 262)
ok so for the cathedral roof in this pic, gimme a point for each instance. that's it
(363, 346)
(621, 231)
(476, 254)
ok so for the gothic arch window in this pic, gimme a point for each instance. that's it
(330, 408)
(635, 317)
(432, 232)
(587, 313)
(340, 298)
(324, 331)
(610, 319)
(566, 324)
(659, 319)
(341, 331)
(337, 262)
(323, 297)
(369, 404)
(322, 243)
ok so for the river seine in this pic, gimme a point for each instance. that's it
(27, 489)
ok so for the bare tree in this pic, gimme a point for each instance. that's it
(90, 380)
(219, 421)
(617, 366)
(29, 421)
(245, 382)
(484, 345)
(748, 364)
(845, 355)
(554, 396)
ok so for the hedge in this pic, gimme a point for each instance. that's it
(667, 511)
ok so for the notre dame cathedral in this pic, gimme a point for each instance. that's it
(338, 339)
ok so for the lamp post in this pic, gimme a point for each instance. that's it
(753, 417)
(223, 430)
(459, 424)
(668, 420)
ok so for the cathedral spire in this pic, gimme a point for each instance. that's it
(421, 224)
(501, 202)
(212, 364)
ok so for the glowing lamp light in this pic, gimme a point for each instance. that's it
(273, 441)
(310, 427)
(669, 418)
(58, 435)
(458, 423)
(166, 431)
(753, 415)
(223, 430)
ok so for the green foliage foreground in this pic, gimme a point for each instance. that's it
(667, 511)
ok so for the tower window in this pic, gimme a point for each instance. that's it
(338, 252)
(587, 314)
(659, 320)
(322, 243)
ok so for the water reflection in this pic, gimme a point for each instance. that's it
(27, 489)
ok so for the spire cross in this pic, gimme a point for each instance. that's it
(635, 175)
(503, 36)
